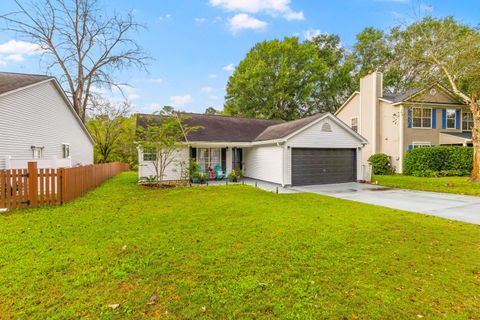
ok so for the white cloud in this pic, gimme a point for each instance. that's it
(207, 90)
(20, 47)
(180, 101)
(212, 76)
(229, 68)
(16, 51)
(311, 33)
(200, 20)
(244, 21)
(271, 7)
(214, 98)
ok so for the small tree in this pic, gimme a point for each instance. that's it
(107, 125)
(164, 133)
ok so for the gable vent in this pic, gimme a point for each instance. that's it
(326, 127)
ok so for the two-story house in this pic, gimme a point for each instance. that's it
(396, 123)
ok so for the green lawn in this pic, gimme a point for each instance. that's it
(233, 252)
(459, 185)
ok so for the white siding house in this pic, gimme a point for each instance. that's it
(37, 122)
(314, 150)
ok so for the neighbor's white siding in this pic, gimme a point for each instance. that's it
(314, 137)
(172, 172)
(39, 116)
(264, 163)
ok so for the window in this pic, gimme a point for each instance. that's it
(65, 150)
(354, 124)
(467, 121)
(209, 158)
(421, 145)
(421, 117)
(149, 155)
(451, 118)
(37, 152)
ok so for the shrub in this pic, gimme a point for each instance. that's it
(381, 164)
(438, 161)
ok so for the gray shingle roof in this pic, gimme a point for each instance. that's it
(399, 97)
(235, 129)
(282, 130)
(12, 81)
(464, 134)
(217, 128)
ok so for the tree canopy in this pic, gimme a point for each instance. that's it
(276, 80)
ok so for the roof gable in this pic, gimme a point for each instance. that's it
(285, 129)
(14, 81)
(433, 94)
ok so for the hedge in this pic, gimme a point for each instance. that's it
(381, 164)
(438, 161)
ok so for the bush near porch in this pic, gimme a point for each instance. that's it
(127, 252)
(438, 161)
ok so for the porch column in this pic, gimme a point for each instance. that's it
(229, 160)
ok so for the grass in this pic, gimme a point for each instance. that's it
(233, 252)
(458, 185)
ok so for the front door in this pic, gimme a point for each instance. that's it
(237, 158)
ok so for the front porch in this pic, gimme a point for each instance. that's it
(218, 161)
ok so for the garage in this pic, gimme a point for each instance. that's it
(322, 166)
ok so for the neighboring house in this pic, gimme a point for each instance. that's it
(396, 123)
(38, 122)
(314, 150)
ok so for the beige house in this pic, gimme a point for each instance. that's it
(396, 123)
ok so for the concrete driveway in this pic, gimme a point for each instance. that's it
(445, 205)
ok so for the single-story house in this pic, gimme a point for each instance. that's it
(38, 123)
(318, 149)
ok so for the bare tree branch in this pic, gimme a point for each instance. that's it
(79, 43)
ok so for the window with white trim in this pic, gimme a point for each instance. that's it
(467, 121)
(37, 152)
(149, 155)
(451, 118)
(65, 150)
(421, 117)
(354, 124)
(421, 145)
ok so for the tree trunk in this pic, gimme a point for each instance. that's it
(476, 141)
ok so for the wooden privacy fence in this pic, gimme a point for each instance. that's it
(32, 187)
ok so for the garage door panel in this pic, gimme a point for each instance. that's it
(321, 166)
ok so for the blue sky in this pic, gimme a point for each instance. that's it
(195, 44)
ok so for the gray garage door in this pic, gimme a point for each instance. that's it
(321, 166)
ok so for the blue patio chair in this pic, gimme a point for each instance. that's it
(220, 175)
